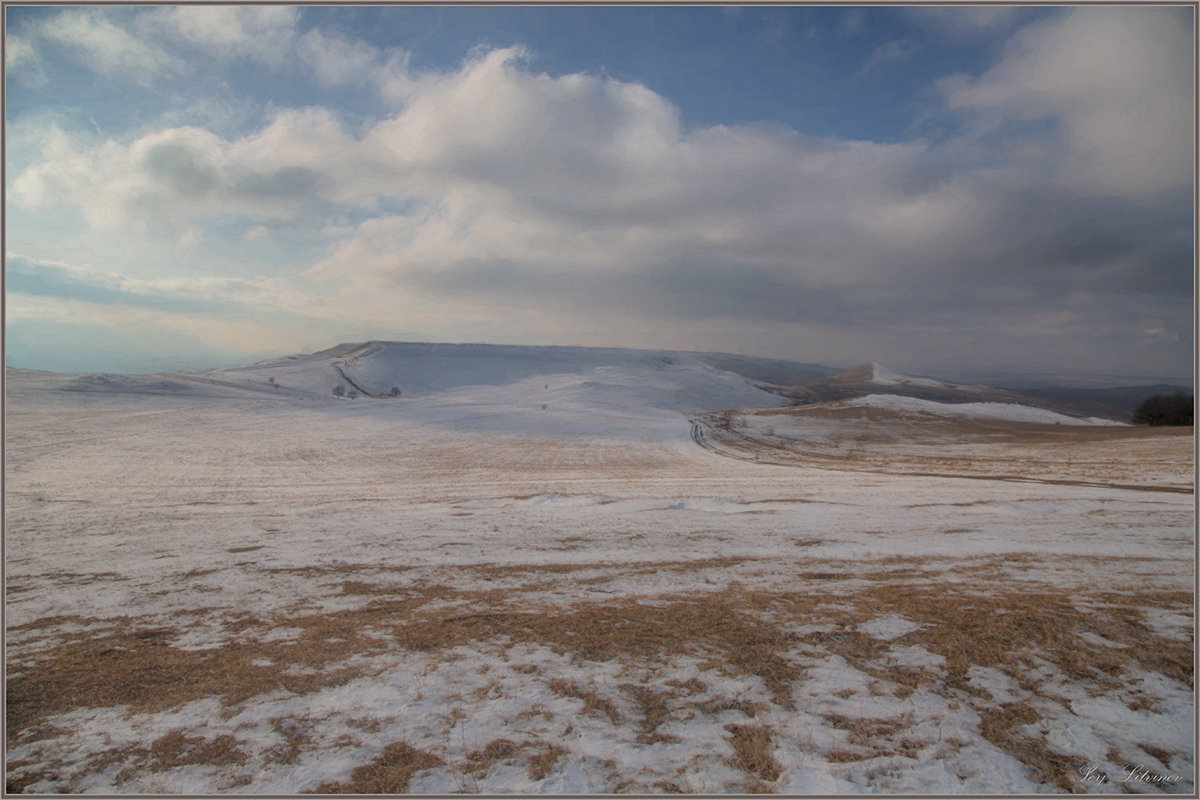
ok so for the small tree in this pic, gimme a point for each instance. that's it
(339, 391)
(395, 391)
(1164, 409)
(353, 394)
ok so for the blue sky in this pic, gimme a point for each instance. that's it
(936, 188)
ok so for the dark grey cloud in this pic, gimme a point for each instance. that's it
(181, 169)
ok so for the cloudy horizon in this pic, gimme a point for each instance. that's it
(934, 188)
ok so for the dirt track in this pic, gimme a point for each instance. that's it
(1103, 457)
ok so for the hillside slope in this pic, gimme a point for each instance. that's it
(605, 377)
(374, 368)
(454, 383)
(528, 391)
(874, 378)
(1115, 403)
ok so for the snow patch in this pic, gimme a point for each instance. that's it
(1010, 412)
(888, 628)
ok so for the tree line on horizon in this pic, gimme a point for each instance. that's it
(1164, 409)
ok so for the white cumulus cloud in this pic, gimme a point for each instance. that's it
(107, 48)
(1119, 83)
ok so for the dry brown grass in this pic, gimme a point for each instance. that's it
(1008, 628)
(873, 737)
(752, 745)
(864, 730)
(711, 625)
(689, 687)
(1011, 630)
(296, 734)
(610, 570)
(19, 778)
(370, 589)
(592, 702)
(880, 424)
(62, 577)
(388, 774)
(715, 707)
(654, 708)
(537, 766)
(540, 764)
(1002, 727)
(1163, 756)
(174, 749)
(1144, 702)
(177, 749)
(137, 668)
(989, 623)
(480, 761)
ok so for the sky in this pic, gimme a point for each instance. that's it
(934, 188)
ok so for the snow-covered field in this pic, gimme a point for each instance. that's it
(570, 577)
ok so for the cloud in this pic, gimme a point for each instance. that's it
(302, 162)
(562, 202)
(1117, 83)
(887, 53)
(253, 296)
(968, 21)
(264, 34)
(853, 20)
(18, 52)
(497, 165)
(150, 45)
(337, 61)
(73, 335)
(91, 39)
(154, 45)
(23, 63)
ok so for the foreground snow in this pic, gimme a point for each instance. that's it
(540, 583)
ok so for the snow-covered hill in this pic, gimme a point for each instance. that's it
(672, 380)
(590, 376)
(554, 391)
(873, 378)
(504, 389)
(1010, 412)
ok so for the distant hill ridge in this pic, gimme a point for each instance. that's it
(444, 365)
(1115, 403)
(874, 378)
(662, 379)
